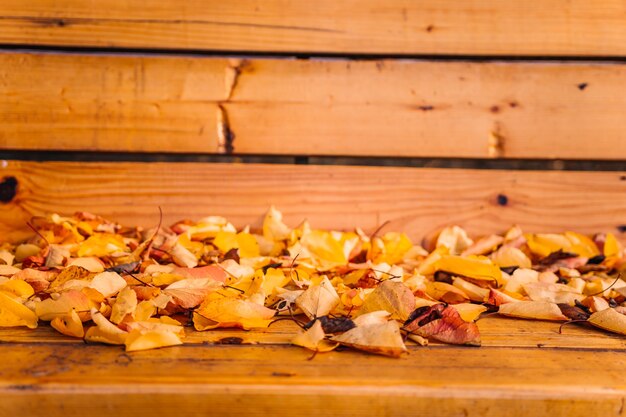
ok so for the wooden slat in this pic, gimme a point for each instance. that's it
(495, 332)
(76, 380)
(417, 201)
(515, 27)
(332, 107)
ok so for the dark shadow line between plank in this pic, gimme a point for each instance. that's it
(419, 162)
(308, 55)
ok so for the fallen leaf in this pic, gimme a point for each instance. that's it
(318, 300)
(66, 302)
(182, 256)
(446, 293)
(13, 313)
(455, 239)
(390, 296)
(314, 339)
(508, 256)
(69, 325)
(469, 312)
(380, 338)
(273, 227)
(231, 312)
(538, 310)
(484, 246)
(473, 291)
(473, 267)
(443, 324)
(610, 320)
(151, 339)
(125, 304)
(104, 331)
(17, 288)
(107, 283)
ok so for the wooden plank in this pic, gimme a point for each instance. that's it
(106, 103)
(558, 27)
(495, 332)
(322, 107)
(68, 380)
(417, 201)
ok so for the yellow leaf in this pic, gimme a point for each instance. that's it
(509, 256)
(613, 250)
(273, 227)
(610, 320)
(455, 239)
(274, 278)
(107, 283)
(183, 257)
(138, 340)
(17, 288)
(473, 291)
(104, 331)
(390, 296)
(49, 309)
(324, 247)
(166, 279)
(476, 267)
(538, 310)
(13, 313)
(144, 310)
(383, 339)
(543, 244)
(125, 303)
(318, 300)
(469, 312)
(445, 292)
(245, 242)
(390, 249)
(101, 244)
(231, 312)
(69, 325)
(582, 245)
(314, 339)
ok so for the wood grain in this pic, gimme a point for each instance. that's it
(313, 107)
(71, 380)
(417, 201)
(558, 27)
(495, 332)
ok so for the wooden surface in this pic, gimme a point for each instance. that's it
(417, 201)
(577, 373)
(320, 107)
(516, 27)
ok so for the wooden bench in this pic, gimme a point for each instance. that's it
(227, 107)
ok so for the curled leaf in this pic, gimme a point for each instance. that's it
(538, 310)
(314, 339)
(610, 320)
(231, 312)
(381, 338)
(390, 296)
(445, 325)
(13, 313)
(151, 339)
(318, 300)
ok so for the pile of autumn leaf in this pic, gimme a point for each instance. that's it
(93, 279)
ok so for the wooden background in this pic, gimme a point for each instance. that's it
(463, 83)
(116, 106)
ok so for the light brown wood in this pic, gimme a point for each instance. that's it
(71, 379)
(516, 27)
(319, 107)
(417, 201)
(106, 103)
(495, 332)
